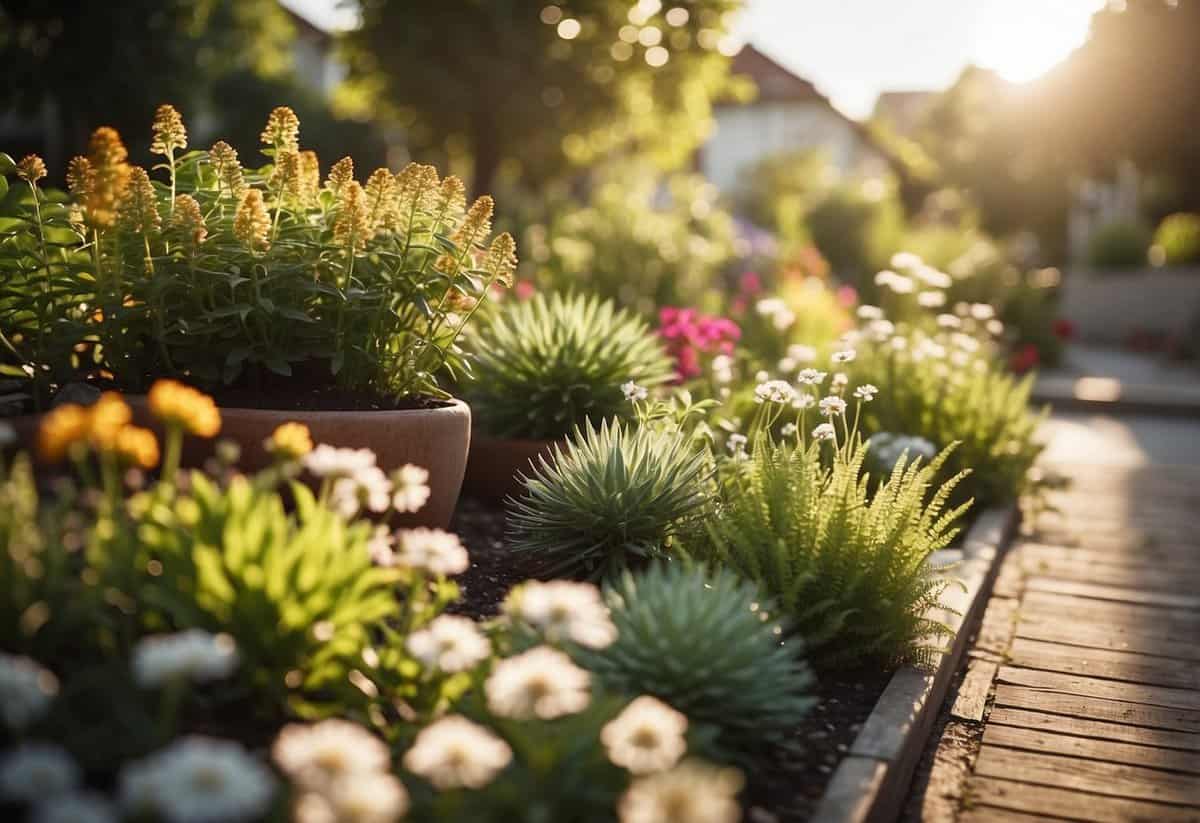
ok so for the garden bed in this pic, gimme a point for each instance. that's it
(857, 749)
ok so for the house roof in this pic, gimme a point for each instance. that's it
(775, 83)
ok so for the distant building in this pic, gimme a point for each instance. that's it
(903, 110)
(788, 115)
(313, 58)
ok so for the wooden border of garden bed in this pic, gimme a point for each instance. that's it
(871, 783)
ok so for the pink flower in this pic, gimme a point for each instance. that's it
(524, 289)
(688, 335)
(750, 283)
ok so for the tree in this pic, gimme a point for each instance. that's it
(538, 87)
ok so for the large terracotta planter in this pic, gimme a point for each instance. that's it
(436, 439)
(495, 465)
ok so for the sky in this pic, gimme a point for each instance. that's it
(854, 49)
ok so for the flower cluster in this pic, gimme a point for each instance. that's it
(449, 644)
(354, 482)
(563, 611)
(26, 690)
(457, 753)
(688, 334)
(198, 778)
(193, 654)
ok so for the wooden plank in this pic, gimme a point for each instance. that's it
(1109, 751)
(1063, 804)
(1113, 665)
(1107, 574)
(1151, 620)
(973, 691)
(990, 814)
(996, 629)
(1100, 730)
(1117, 593)
(1112, 779)
(1105, 689)
(1094, 708)
(1157, 557)
(1112, 637)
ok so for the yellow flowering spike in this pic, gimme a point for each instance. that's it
(169, 131)
(285, 174)
(447, 264)
(353, 226)
(136, 446)
(502, 259)
(110, 177)
(381, 203)
(106, 417)
(31, 168)
(251, 223)
(188, 222)
(476, 225)
(62, 428)
(341, 174)
(138, 210)
(310, 178)
(81, 177)
(282, 130)
(451, 198)
(176, 404)
(224, 159)
(290, 441)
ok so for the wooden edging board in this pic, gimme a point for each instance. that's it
(870, 784)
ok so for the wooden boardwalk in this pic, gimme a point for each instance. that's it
(1082, 699)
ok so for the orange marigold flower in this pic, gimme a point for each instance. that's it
(62, 428)
(31, 168)
(252, 223)
(137, 447)
(106, 417)
(290, 441)
(174, 403)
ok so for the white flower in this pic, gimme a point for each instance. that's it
(8, 435)
(79, 807)
(648, 736)
(824, 431)
(26, 690)
(881, 330)
(194, 655)
(866, 392)
(995, 327)
(948, 321)
(449, 643)
(832, 405)
(775, 308)
(932, 277)
(692, 792)
(367, 797)
(982, 311)
(931, 299)
(379, 547)
(887, 449)
(34, 771)
(433, 550)
(884, 277)
(563, 610)
(456, 753)
(866, 312)
(774, 391)
(801, 353)
(965, 342)
(906, 260)
(197, 780)
(542, 682)
(367, 488)
(722, 368)
(315, 756)
(898, 343)
(846, 356)
(839, 381)
(810, 377)
(411, 484)
(804, 400)
(328, 461)
(633, 392)
(789, 429)
(736, 444)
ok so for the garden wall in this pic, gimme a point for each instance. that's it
(1111, 307)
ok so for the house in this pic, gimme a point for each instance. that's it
(787, 115)
(903, 110)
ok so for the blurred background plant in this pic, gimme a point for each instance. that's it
(1177, 240)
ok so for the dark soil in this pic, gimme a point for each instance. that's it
(786, 787)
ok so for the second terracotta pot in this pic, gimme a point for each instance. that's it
(495, 464)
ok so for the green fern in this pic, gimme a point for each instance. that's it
(613, 496)
(704, 643)
(849, 569)
(546, 365)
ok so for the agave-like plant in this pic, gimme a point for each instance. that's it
(704, 642)
(548, 364)
(614, 495)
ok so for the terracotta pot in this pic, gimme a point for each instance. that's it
(436, 439)
(495, 463)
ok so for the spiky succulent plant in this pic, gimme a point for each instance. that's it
(545, 365)
(702, 641)
(614, 495)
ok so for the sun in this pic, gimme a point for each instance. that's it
(1021, 40)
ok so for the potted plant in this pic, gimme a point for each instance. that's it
(544, 366)
(334, 303)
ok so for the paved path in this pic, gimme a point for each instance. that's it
(1082, 697)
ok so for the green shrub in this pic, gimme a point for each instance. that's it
(706, 644)
(1178, 236)
(613, 496)
(1119, 245)
(546, 365)
(856, 230)
(850, 570)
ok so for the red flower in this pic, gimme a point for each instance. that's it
(1064, 329)
(1024, 358)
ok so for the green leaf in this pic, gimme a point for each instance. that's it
(7, 166)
